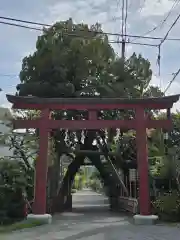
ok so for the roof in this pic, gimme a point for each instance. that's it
(32, 99)
(32, 102)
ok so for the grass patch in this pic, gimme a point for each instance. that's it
(19, 225)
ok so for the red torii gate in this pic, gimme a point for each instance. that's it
(92, 105)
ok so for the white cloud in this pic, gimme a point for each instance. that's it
(156, 8)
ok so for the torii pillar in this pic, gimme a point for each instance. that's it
(41, 166)
(145, 216)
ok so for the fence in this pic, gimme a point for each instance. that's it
(129, 203)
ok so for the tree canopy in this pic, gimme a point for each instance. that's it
(77, 60)
(74, 60)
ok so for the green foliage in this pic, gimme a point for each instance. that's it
(95, 181)
(95, 175)
(67, 66)
(13, 174)
(174, 148)
(80, 180)
(15, 180)
(168, 206)
(64, 65)
(165, 154)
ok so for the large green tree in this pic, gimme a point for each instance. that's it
(75, 60)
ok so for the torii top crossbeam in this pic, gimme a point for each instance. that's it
(92, 105)
(31, 102)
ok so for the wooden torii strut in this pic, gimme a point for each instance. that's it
(92, 105)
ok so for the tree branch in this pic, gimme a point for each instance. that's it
(21, 152)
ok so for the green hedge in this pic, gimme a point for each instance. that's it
(168, 207)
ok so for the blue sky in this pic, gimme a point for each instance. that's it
(143, 15)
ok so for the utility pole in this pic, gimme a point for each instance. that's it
(123, 48)
(123, 28)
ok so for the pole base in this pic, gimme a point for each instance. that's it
(40, 218)
(145, 220)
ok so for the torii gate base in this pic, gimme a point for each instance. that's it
(140, 123)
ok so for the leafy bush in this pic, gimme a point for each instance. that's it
(14, 181)
(168, 206)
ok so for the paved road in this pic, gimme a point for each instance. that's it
(89, 201)
(91, 220)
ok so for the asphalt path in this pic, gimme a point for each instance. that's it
(91, 219)
(89, 201)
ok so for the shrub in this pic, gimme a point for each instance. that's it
(168, 206)
(14, 181)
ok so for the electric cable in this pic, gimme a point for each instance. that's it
(77, 35)
(96, 32)
(162, 22)
(173, 79)
(173, 24)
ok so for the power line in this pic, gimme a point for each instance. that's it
(76, 35)
(162, 22)
(170, 83)
(96, 32)
(163, 40)
(19, 25)
(173, 24)
(24, 21)
(169, 13)
(136, 43)
(39, 29)
(103, 33)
